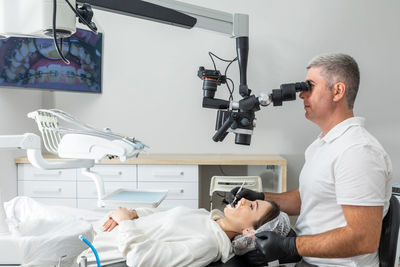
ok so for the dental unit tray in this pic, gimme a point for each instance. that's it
(133, 198)
(68, 138)
(82, 141)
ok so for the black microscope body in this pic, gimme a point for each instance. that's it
(239, 117)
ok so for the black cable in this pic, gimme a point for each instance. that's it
(226, 70)
(210, 54)
(66, 61)
(227, 67)
(226, 60)
(233, 84)
(80, 16)
(229, 89)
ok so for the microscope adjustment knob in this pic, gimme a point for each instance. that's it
(245, 122)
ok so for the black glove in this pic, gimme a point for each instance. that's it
(276, 247)
(246, 193)
(257, 258)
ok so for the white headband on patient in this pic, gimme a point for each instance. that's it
(242, 244)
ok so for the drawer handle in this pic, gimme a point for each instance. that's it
(94, 192)
(47, 174)
(168, 173)
(48, 191)
(176, 191)
(119, 173)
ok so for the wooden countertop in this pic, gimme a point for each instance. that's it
(189, 159)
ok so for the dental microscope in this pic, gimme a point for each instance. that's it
(238, 117)
(56, 19)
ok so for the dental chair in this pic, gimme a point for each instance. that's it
(388, 244)
(388, 251)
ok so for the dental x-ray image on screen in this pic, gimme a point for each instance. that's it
(35, 63)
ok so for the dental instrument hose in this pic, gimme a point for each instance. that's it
(81, 237)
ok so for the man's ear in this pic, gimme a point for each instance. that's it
(339, 91)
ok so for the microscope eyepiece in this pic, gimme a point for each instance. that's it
(287, 92)
(302, 86)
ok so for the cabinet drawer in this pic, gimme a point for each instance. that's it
(171, 173)
(112, 173)
(88, 189)
(175, 190)
(28, 172)
(172, 203)
(69, 202)
(59, 189)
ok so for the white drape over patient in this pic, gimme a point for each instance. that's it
(45, 233)
(175, 237)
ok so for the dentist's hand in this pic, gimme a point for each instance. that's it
(245, 193)
(276, 247)
(119, 215)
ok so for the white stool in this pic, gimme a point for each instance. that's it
(227, 183)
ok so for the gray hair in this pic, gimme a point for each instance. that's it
(339, 68)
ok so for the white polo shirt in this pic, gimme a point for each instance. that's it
(347, 166)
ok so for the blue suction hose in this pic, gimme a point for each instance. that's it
(81, 237)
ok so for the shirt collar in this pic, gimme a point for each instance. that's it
(341, 128)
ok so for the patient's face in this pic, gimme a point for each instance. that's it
(246, 212)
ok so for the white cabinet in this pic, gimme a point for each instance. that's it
(185, 176)
(112, 173)
(181, 181)
(29, 173)
(168, 173)
(72, 188)
(54, 187)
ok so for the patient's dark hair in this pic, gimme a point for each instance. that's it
(269, 216)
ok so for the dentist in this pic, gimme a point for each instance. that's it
(344, 185)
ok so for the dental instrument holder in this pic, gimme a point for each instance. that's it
(53, 138)
(83, 142)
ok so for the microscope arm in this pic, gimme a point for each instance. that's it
(187, 16)
(178, 14)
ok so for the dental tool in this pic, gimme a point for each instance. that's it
(237, 193)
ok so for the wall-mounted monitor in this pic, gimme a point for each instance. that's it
(34, 63)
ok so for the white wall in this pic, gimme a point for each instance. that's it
(151, 91)
(15, 103)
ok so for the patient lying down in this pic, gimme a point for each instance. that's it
(177, 237)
